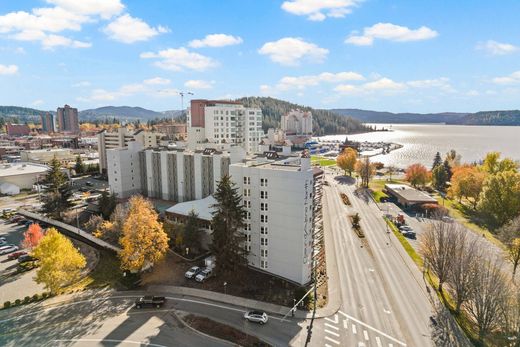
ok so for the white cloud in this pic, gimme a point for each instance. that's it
(81, 84)
(390, 32)
(511, 79)
(497, 48)
(128, 29)
(104, 8)
(292, 50)
(318, 10)
(302, 82)
(384, 84)
(442, 83)
(199, 84)
(157, 81)
(8, 69)
(177, 59)
(37, 102)
(216, 40)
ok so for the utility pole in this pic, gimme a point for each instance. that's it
(182, 93)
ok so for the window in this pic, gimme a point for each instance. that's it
(247, 192)
(247, 248)
(248, 238)
(263, 264)
(248, 215)
(263, 182)
(247, 204)
(247, 180)
(263, 230)
(263, 218)
(263, 206)
(263, 253)
(263, 241)
(263, 194)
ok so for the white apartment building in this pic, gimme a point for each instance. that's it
(297, 122)
(45, 156)
(175, 175)
(120, 139)
(282, 197)
(221, 124)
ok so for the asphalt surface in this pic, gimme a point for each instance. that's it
(384, 301)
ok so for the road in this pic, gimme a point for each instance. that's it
(108, 320)
(384, 299)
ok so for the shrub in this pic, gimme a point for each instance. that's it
(35, 297)
(27, 299)
(17, 302)
(7, 304)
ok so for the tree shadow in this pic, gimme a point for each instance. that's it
(345, 180)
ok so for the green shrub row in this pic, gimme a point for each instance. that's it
(26, 300)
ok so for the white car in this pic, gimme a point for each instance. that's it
(203, 275)
(256, 317)
(192, 272)
(8, 249)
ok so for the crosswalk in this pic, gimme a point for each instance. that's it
(341, 326)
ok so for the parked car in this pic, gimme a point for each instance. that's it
(25, 258)
(3, 241)
(89, 184)
(150, 301)
(16, 255)
(256, 317)
(192, 272)
(8, 249)
(203, 275)
(21, 221)
(15, 219)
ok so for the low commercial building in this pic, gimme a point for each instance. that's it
(17, 130)
(175, 131)
(45, 156)
(22, 175)
(408, 196)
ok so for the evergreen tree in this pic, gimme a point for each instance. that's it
(439, 177)
(447, 168)
(56, 202)
(107, 204)
(192, 231)
(79, 167)
(437, 160)
(55, 178)
(227, 223)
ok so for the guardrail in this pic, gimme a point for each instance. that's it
(71, 231)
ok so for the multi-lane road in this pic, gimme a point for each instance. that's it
(384, 300)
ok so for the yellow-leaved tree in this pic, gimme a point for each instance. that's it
(144, 241)
(347, 160)
(60, 262)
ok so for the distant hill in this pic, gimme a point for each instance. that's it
(120, 112)
(325, 122)
(478, 118)
(16, 114)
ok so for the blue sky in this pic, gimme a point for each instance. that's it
(416, 56)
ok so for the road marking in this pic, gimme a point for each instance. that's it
(345, 323)
(387, 311)
(373, 329)
(378, 341)
(390, 345)
(365, 333)
(331, 332)
(335, 320)
(327, 345)
(332, 340)
(331, 326)
(371, 270)
(361, 344)
(354, 329)
(114, 341)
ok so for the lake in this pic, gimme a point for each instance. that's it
(421, 142)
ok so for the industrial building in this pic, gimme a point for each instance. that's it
(21, 175)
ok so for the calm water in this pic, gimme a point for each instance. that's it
(421, 142)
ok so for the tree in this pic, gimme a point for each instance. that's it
(390, 171)
(437, 160)
(144, 241)
(347, 160)
(489, 292)
(55, 178)
(356, 219)
(417, 175)
(32, 236)
(511, 309)
(437, 246)
(79, 167)
(439, 177)
(228, 244)
(453, 158)
(500, 198)
(60, 262)
(467, 182)
(493, 164)
(365, 170)
(448, 168)
(107, 204)
(509, 234)
(57, 202)
(192, 231)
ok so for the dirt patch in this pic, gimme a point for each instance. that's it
(222, 331)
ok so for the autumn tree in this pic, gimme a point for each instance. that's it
(143, 240)
(511, 309)
(467, 182)
(365, 170)
(417, 175)
(500, 198)
(32, 236)
(437, 245)
(60, 262)
(192, 231)
(228, 244)
(347, 160)
(509, 234)
(493, 164)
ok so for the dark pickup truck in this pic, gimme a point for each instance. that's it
(150, 301)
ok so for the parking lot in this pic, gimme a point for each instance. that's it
(12, 285)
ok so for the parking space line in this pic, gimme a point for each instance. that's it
(332, 333)
(331, 326)
(345, 324)
(335, 320)
(354, 328)
(332, 340)
(378, 341)
(365, 333)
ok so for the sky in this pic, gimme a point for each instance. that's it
(398, 56)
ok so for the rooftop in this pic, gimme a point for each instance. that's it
(201, 207)
(409, 193)
(15, 169)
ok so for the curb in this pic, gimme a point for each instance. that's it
(201, 333)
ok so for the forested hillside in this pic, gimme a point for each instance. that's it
(16, 114)
(492, 118)
(324, 122)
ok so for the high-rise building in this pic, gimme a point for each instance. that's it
(297, 122)
(224, 124)
(48, 123)
(68, 120)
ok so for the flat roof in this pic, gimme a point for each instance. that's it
(201, 207)
(409, 193)
(14, 169)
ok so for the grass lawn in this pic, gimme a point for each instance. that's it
(323, 161)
